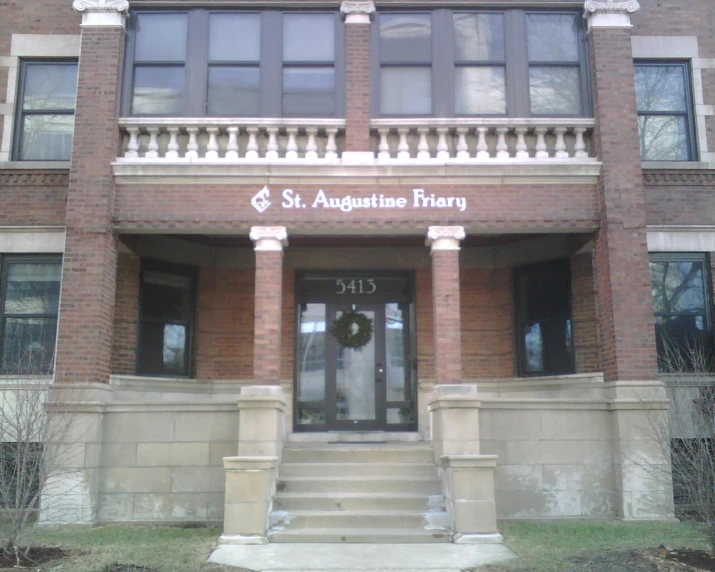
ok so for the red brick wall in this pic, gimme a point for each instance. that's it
(585, 318)
(681, 204)
(33, 197)
(126, 315)
(425, 325)
(357, 87)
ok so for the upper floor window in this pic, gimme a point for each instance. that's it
(45, 113)
(240, 64)
(665, 111)
(451, 63)
(29, 295)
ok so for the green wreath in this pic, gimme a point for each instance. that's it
(342, 330)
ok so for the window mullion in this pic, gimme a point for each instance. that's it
(442, 64)
(197, 55)
(271, 63)
(517, 65)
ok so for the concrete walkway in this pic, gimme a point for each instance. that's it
(360, 557)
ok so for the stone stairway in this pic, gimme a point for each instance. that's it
(360, 493)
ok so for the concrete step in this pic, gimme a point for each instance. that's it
(357, 501)
(367, 535)
(353, 519)
(367, 437)
(408, 470)
(358, 453)
(423, 485)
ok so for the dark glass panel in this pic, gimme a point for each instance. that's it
(663, 138)
(405, 91)
(235, 37)
(234, 91)
(405, 38)
(308, 91)
(355, 380)
(311, 365)
(160, 38)
(480, 90)
(678, 287)
(158, 90)
(163, 348)
(50, 86)
(46, 137)
(548, 347)
(32, 288)
(555, 90)
(479, 37)
(660, 88)
(28, 345)
(552, 37)
(308, 38)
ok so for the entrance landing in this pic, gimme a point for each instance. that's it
(360, 557)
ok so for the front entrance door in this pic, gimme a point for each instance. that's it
(364, 383)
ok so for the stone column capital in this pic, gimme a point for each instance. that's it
(102, 12)
(445, 237)
(269, 238)
(357, 11)
(610, 13)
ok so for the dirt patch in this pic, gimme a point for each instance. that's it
(695, 559)
(36, 556)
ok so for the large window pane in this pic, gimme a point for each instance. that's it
(308, 91)
(160, 38)
(32, 288)
(555, 90)
(233, 91)
(158, 90)
(480, 90)
(678, 286)
(308, 38)
(405, 91)
(46, 137)
(163, 349)
(663, 138)
(660, 88)
(311, 365)
(552, 37)
(235, 37)
(50, 86)
(28, 345)
(405, 38)
(479, 37)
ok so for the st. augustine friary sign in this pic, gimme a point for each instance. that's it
(418, 199)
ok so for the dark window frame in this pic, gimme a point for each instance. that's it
(182, 271)
(21, 114)
(704, 259)
(516, 63)
(271, 65)
(688, 114)
(549, 268)
(5, 262)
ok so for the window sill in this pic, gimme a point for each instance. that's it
(35, 165)
(676, 166)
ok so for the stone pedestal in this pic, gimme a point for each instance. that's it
(261, 422)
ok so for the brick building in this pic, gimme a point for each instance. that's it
(412, 262)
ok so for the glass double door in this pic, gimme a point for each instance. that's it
(364, 383)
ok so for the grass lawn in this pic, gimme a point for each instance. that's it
(547, 547)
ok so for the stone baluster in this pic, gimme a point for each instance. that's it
(133, 144)
(383, 147)
(442, 145)
(311, 147)
(292, 145)
(541, 151)
(403, 148)
(422, 144)
(560, 146)
(252, 145)
(462, 148)
(272, 145)
(172, 147)
(192, 147)
(331, 147)
(522, 151)
(232, 145)
(212, 145)
(502, 149)
(482, 147)
(580, 146)
(152, 148)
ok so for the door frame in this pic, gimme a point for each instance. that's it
(405, 295)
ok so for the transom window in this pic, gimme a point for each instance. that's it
(665, 111)
(241, 64)
(451, 63)
(45, 115)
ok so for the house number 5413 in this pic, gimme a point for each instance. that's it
(359, 286)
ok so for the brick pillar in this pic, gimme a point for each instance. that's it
(269, 242)
(357, 79)
(444, 242)
(84, 339)
(622, 271)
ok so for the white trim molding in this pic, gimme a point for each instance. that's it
(357, 11)
(445, 237)
(29, 240)
(102, 12)
(269, 238)
(610, 13)
(681, 238)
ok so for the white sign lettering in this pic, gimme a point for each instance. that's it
(419, 199)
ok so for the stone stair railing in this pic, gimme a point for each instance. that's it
(231, 140)
(482, 140)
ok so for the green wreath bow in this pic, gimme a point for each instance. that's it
(342, 330)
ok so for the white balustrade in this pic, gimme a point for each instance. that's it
(485, 140)
(224, 140)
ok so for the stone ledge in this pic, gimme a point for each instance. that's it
(250, 463)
